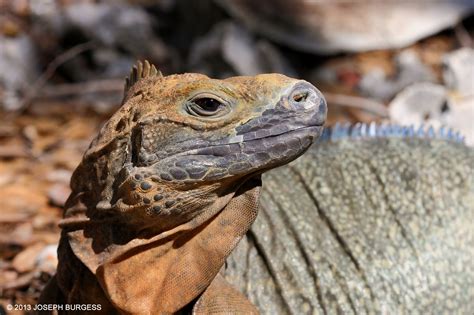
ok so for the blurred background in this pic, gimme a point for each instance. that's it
(63, 64)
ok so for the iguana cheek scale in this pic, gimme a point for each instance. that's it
(171, 184)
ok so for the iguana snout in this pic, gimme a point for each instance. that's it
(279, 132)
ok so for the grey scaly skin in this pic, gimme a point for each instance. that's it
(374, 220)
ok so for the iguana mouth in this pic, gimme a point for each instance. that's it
(266, 133)
(217, 161)
(238, 143)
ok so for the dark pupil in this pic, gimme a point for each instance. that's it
(208, 104)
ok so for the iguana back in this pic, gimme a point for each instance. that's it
(360, 226)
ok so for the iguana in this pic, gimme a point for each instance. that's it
(371, 220)
(170, 185)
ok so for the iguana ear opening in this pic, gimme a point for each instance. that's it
(140, 71)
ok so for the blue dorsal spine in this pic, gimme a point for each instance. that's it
(373, 130)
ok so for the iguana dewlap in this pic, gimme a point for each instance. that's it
(171, 184)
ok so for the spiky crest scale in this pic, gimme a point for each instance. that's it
(373, 130)
(139, 71)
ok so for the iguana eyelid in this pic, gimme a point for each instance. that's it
(194, 109)
(207, 95)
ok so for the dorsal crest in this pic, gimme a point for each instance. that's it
(139, 71)
(374, 130)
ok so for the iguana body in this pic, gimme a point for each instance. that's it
(171, 184)
(377, 225)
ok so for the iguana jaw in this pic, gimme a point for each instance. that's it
(230, 158)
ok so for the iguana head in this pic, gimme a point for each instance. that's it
(181, 141)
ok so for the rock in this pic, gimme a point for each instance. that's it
(114, 25)
(12, 151)
(461, 117)
(458, 71)
(458, 76)
(117, 35)
(7, 276)
(420, 103)
(230, 49)
(59, 175)
(409, 69)
(274, 60)
(22, 235)
(18, 69)
(238, 49)
(20, 282)
(45, 8)
(333, 26)
(26, 260)
(20, 200)
(58, 194)
(122, 63)
(47, 259)
(205, 54)
(432, 104)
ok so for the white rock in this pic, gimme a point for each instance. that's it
(432, 104)
(458, 71)
(327, 26)
(18, 68)
(419, 103)
(47, 260)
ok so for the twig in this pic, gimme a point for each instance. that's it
(99, 86)
(368, 105)
(51, 69)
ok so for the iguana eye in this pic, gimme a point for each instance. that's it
(206, 106)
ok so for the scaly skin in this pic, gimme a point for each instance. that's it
(364, 226)
(171, 184)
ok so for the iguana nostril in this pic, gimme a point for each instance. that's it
(303, 97)
(300, 97)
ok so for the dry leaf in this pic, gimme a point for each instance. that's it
(26, 260)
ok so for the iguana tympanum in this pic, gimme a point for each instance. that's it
(169, 187)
